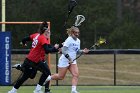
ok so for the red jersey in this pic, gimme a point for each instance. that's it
(37, 52)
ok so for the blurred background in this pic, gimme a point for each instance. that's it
(116, 20)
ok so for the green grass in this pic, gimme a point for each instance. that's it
(82, 89)
(93, 69)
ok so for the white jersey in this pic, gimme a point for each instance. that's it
(73, 46)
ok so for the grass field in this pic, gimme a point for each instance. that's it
(94, 70)
(82, 89)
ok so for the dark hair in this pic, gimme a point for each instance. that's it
(43, 27)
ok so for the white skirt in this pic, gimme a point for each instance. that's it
(63, 62)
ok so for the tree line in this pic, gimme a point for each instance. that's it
(115, 20)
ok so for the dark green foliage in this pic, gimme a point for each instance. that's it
(101, 21)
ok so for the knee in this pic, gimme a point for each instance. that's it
(57, 77)
(60, 77)
(76, 75)
(33, 73)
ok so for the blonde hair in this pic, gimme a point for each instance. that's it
(71, 30)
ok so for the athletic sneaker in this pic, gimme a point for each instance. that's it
(47, 91)
(75, 92)
(37, 91)
(17, 66)
(12, 91)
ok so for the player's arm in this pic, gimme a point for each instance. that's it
(60, 45)
(65, 52)
(85, 50)
(79, 51)
(49, 48)
(25, 39)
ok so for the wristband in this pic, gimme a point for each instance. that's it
(67, 56)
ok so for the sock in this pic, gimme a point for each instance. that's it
(38, 87)
(73, 88)
(49, 78)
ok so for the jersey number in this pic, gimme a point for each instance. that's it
(35, 41)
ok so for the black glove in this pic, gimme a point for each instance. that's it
(60, 45)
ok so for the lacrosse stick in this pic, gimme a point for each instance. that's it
(79, 20)
(71, 5)
(98, 43)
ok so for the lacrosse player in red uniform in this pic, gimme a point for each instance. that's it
(35, 60)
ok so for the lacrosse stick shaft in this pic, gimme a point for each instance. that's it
(83, 53)
(78, 56)
(65, 23)
(71, 5)
(92, 46)
(99, 42)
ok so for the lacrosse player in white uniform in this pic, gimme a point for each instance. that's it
(70, 49)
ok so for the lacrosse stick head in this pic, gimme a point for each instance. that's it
(100, 41)
(79, 20)
(71, 5)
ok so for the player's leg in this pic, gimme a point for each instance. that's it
(25, 75)
(61, 74)
(47, 87)
(62, 70)
(75, 74)
(19, 82)
(43, 67)
(58, 76)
